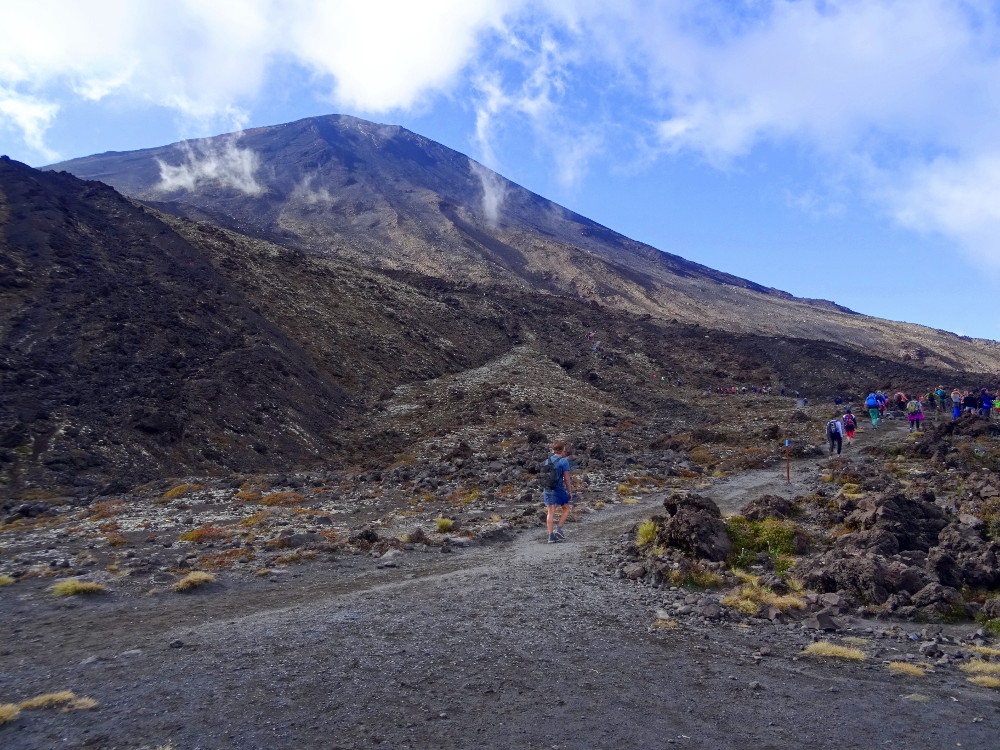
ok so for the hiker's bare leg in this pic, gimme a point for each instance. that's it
(550, 518)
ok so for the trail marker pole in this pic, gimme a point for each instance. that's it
(788, 464)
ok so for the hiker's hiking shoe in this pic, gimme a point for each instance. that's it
(553, 539)
(559, 533)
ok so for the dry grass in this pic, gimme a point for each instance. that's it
(282, 498)
(985, 680)
(107, 509)
(82, 703)
(248, 496)
(6, 580)
(445, 525)
(179, 491)
(977, 666)
(833, 651)
(985, 650)
(630, 500)
(193, 580)
(48, 700)
(9, 712)
(73, 586)
(751, 596)
(204, 534)
(906, 668)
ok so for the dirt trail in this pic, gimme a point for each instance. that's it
(516, 645)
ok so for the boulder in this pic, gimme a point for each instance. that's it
(767, 506)
(915, 523)
(863, 576)
(694, 525)
(991, 608)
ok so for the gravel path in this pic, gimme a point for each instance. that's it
(515, 645)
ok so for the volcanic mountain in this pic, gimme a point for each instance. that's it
(390, 199)
(332, 292)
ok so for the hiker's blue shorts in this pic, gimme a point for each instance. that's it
(558, 496)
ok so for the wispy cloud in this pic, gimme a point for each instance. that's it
(216, 162)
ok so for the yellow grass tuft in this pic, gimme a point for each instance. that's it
(48, 700)
(751, 595)
(985, 680)
(646, 533)
(73, 586)
(833, 651)
(630, 500)
(179, 491)
(905, 668)
(985, 650)
(977, 666)
(193, 580)
(6, 580)
(9, 712)
(445, 525)
(204, 534)
(82, 703)
(282, 498)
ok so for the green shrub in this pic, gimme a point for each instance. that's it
(771, 536)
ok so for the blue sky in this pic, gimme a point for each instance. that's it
(838, 149)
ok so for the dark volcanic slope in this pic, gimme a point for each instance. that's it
(388, 198)
(124, 353)
(135, 345)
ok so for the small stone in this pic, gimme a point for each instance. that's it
(755, 685)
(177, 643)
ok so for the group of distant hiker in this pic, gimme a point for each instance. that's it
(981, 403)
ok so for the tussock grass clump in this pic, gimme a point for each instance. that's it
(73, 587)
(6, 580)
(749, 597)
(282, 498)
(179, 491)
(193, 580)
(906, 668)
(48, 700)
(978, 666)
(445, 525)
(985, 680)
(695, 576)
(829, 650)
(9, 712)
(985, 650)
(630, 500)
(204, 534)
(248, 496)
(645, 533)
(107, 509)
(256, 519)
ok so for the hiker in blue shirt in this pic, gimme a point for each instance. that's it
(561, 495)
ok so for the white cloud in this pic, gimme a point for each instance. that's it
(216, 162)
(955, 197)
(28, 116)
(387, 54)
